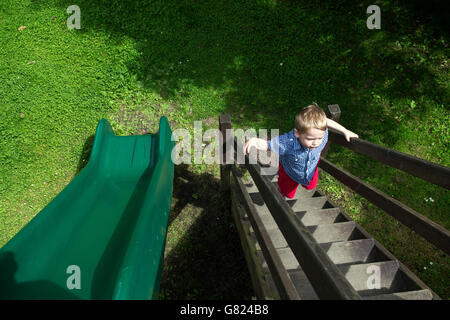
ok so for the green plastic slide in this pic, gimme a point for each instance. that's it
(103, 236)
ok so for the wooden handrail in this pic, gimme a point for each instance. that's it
(426, 170)
(423, 226)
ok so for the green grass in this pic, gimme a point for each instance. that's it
(260, 61)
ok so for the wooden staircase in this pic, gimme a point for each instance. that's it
(372, 271)
(306, 247)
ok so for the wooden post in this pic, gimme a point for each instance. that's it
(225, 169)
(333, 112)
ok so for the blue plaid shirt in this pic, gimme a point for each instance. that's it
(298, 162)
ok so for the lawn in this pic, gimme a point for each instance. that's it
(261, 61)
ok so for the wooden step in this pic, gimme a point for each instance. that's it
(311, 203)
(391, 279)
(408, 295)
(342, 231)
(323, 216)
(300, 193)
(354, 251)
(273, 177)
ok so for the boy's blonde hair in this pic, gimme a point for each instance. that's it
(310, 117)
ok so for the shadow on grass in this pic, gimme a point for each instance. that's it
(270, 57)
(204, 259)
(85, 154)
(271, 60)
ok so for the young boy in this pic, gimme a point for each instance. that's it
(299, 149)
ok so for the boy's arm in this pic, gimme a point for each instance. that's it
(336, 126)
(257, 143)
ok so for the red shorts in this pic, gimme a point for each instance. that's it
(288, 187)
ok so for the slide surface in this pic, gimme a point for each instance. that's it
(103, 236)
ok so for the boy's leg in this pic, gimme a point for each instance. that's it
(313, 183)
(287, 186)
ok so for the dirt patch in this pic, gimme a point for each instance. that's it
(211, 122)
